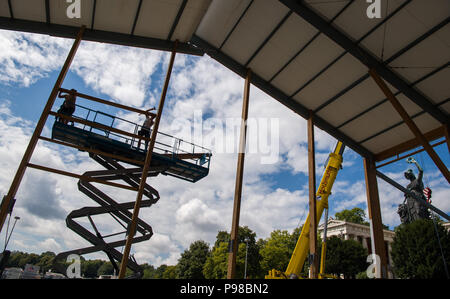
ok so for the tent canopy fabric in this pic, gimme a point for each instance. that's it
(310, 55)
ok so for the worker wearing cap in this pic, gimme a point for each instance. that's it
(68, 107)
(146, 126)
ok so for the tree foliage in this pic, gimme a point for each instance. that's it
(149, 272)
(217, 263)
(277, 251)
(347, 257)
(416, 252)
(355, 215)
(192, 261)
(170, 273)
(105, 269)
(200, 261)
(89, 268)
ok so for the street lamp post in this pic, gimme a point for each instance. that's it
(246, 240)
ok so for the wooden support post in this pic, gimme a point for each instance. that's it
(410, 123)
(376, 226)
(313, 270)
(233, 247)
(38, 130)
(148, 160)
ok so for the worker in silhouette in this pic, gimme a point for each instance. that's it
(146, 126)
(68, 107)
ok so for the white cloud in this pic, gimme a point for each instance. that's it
(49, 244)
(192, 211)
(197, 214)
(160, 249)
(26, 58)
(264, 210)
(122, 73)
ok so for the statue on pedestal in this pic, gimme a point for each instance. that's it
(412, 209)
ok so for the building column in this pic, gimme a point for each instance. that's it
(364, 243)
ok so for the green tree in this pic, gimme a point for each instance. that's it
(15, 259)
(89, 268)
(148, 271)
(355, 215)
(222, 237)
(192, 261)
(170, 272)
(46, 261)
(416, 252)
(347, 257)
(217, 262)
(159, 272)
(277, 251)
(253, 257)
(106, 269)
(20, 259)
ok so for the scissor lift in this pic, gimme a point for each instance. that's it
(113, 143)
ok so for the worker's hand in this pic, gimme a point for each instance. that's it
(411, 160)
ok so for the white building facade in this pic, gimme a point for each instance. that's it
(358, 232)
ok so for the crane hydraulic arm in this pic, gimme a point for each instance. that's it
(302, 248)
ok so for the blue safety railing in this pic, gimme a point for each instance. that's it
(165, 144)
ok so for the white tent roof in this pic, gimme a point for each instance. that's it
(144, 23)
(309, 55)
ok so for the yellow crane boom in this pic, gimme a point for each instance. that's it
(302, 247)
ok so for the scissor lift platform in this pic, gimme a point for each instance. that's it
(115, 144)
(189, 166)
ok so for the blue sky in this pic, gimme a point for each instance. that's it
(275, 195)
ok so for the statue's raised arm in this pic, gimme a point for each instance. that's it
(411, 160)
